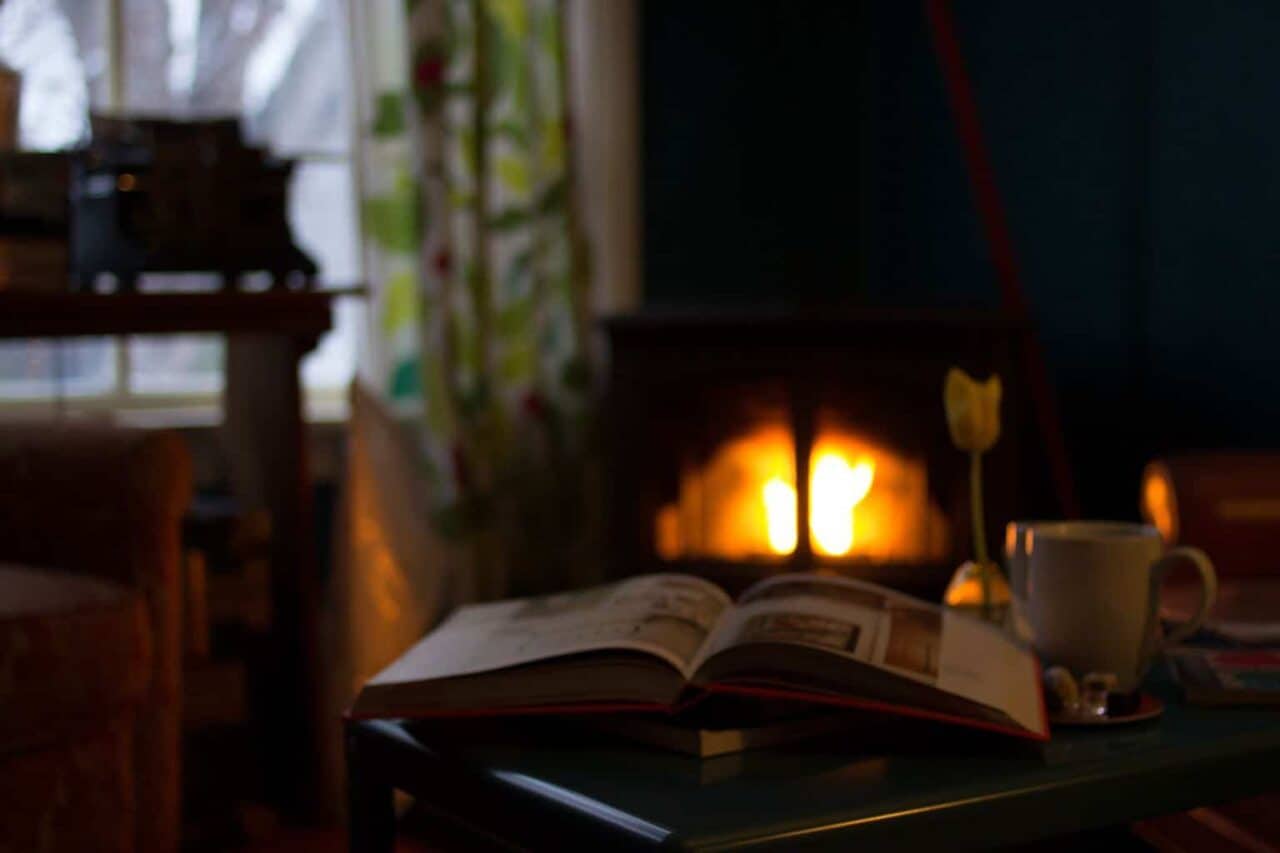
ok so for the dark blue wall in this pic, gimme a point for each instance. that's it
(803, 153)
(1213, 335)
(751, 133)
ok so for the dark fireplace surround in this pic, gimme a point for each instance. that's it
(685, 385)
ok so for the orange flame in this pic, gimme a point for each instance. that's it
(835, 489)
(780, 515)
(741, 503)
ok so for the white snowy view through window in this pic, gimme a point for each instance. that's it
(281, 66)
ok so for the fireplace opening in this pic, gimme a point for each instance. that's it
(865, 501)
(745, 445)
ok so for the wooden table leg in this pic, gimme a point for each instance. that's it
(265, 440)
(370, 801)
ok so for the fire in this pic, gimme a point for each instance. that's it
(741, 503)
(780, 515)
(835, 488)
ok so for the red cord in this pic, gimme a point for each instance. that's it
(995, 226)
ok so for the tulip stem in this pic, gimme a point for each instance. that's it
(979, 528)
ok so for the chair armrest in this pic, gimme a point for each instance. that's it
(92, 498)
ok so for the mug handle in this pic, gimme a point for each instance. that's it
(1208, 589)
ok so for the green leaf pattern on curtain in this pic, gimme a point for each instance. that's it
(469, 231)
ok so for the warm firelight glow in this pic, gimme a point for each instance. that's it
(780, 515)
(1158, 504)
(835, 488)
(865, 501)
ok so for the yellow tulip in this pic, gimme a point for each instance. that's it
(973, 410)
(973, 417)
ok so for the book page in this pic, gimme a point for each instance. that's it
(833, 614)
(666, 615)
(979, 662)
(897, 633)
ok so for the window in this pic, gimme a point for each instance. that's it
(282, 67)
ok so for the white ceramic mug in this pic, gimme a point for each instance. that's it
(1016, 553)
(1015, 556)
(1090, 591)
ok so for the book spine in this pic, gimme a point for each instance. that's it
(1227, 504)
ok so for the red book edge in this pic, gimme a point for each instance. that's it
(516, 711)
(738, 689)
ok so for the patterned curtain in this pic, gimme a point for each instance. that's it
(469, 470)
(482, 310)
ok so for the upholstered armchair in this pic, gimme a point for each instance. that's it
(90, 651)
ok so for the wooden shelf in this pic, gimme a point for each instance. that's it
(303, 315)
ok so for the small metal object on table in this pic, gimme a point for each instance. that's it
(563, 788)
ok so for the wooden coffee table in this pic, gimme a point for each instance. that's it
(560, 786)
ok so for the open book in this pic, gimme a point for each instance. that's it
(663, 641)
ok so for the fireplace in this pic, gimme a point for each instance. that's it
(742, 445)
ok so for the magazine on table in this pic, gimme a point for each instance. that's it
(1240, 676)
(662, 642)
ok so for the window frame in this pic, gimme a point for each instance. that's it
(323, 404)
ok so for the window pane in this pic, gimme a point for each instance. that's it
(332, 364)
(179, 282)
(296, 82)
(146, 56)
(37, 40)
(41, 369)
(175, 364)
(322, 217)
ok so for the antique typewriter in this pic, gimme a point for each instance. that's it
(162, 196)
